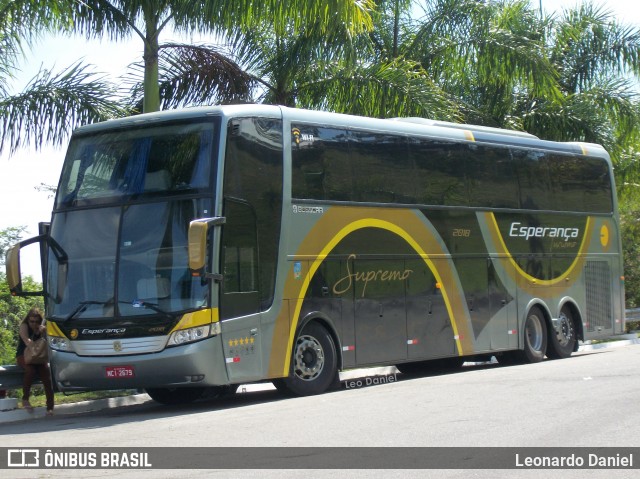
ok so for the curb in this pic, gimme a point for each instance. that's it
(73, 408)
(16, 415)
(609, 345)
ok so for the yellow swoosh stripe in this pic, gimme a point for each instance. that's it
(324, 237)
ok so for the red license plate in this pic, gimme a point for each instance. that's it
(119, 372)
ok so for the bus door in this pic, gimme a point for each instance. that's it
(491, 307)
(429, 330)
(473, 273)
(240, 294)
(503, 307)
(252, 207)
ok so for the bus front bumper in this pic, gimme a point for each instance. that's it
(190, 365)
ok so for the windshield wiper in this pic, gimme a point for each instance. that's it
(82, 306)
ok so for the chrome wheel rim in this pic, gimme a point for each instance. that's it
(564, 332)
(309, 358)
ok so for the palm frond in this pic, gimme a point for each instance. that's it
(391, 89)
(196, 75)
(50, 107)
(588, 44)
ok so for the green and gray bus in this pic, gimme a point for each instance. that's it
(199, 249)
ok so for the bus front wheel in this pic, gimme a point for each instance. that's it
(562, 338)
(313, 362)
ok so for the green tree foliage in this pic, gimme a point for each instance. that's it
(51, 105)
(597, 61)
(194, 75)
(147, 20)
(630, 225)
(13, 309)
(312, 66)
(486, 55)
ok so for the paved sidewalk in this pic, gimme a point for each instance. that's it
(100, 404)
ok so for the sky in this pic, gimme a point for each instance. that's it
(21, 204)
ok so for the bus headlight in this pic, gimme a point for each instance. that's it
(190, 335)
(59, 343)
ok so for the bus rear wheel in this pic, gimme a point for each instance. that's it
(535, 341)
(313, 362)
(562, 337)
(535, 336)
(173, 396)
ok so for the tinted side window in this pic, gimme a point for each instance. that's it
(320, 163)
(382, 168)
(491, 177)
(580, 184)
(532, 171)
(598, 194)
(439, 171)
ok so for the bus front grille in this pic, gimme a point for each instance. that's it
(120, 347)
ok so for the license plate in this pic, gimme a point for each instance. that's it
(119, 371)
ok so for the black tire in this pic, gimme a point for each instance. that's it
(535, 336)
(314, 364)
(562, 340)
(173, 396)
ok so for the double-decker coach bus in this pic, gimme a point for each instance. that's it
(211, 247)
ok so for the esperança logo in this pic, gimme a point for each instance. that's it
(527, 232)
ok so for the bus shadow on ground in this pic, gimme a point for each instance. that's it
(247, 395)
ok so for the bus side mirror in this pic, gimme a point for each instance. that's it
(14, 273)
(14, 277)
(197, 241)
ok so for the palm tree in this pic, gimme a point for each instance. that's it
(485, 54)
(149, 18)
(193, 75)
(51, 105)
(598, 65)
(312, 66)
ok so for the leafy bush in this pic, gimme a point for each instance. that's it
(630, 223)
(632, 326)
(13, 309)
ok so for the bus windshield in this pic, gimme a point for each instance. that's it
(123, 209)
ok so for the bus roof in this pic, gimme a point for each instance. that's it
(406, 126)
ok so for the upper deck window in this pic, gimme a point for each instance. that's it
(149, 160)
(346, 164)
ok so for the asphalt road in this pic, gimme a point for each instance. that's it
(589, 400)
